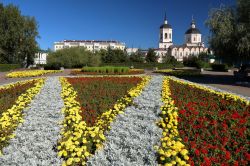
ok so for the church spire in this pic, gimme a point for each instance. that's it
(165, 19)
(193, 22)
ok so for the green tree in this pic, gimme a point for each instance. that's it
(230, 32)
(113, 55)
(222, 28)
(137, 57)
(169, 59)
(151, 56)
(73, 57)
(243, 28)
(18, 35)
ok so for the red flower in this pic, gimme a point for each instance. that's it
(236, 163)
(206, 162)
(197, 152)
(182, 112)
(235, 115)
(247, 155)
(204, 151)
(228, 155)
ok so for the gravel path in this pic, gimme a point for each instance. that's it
(36, 138)
(134, 134)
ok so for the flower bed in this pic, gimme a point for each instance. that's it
(172, 150)
(129, 72)
(13, 99)
(85, 123)
(212, 125)
(179, 73)
(30, 73)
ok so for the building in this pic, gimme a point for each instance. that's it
(91, 45)
(193, 42)
(40, 58)
(131, 50)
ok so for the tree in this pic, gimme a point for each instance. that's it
(243, 28)
(137, 57)
(169, 59)
(151, 56)
(113, 55)
(73, 57)
(230, 32)
(17, 36)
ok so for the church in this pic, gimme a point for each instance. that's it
(193, 43)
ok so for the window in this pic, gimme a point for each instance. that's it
(181, 54)
(161, 36)
(194, 38)
(166, 35)
(170, 36)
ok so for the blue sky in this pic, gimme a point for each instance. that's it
(135, 22)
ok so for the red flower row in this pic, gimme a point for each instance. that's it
(213, 129)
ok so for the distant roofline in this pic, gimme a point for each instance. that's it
(91, 41)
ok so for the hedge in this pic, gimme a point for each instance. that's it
(8, 67)
(144, 65)
(219, 67)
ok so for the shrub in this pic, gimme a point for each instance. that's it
(75, 57)
(106, 69)
(149, 66)
(8, 67)
(219, 67)
(52, 66)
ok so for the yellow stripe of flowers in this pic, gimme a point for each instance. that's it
(11, 118)
(30, 73)
(171, 151)
(78, 140)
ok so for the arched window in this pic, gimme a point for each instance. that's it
(166, 35)
(194, 38)
(170, 36)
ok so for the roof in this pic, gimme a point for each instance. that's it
(193, 31)
(165, 26)
(185, 46)
(93, 41)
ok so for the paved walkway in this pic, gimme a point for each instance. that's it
(36, 138)
(134, 134)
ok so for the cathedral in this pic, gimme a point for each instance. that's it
(193, 42)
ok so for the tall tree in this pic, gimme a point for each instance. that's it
(137, 57)
(17, 36)
(243, 28)
(230, 32)
(151, 56)
(223, 30)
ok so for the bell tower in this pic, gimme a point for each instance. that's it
(165, 36)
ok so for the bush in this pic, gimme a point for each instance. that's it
(52, 66)
(149, 66)
(75, 57)
(219, 67)
(106, 69)
(8, 67)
